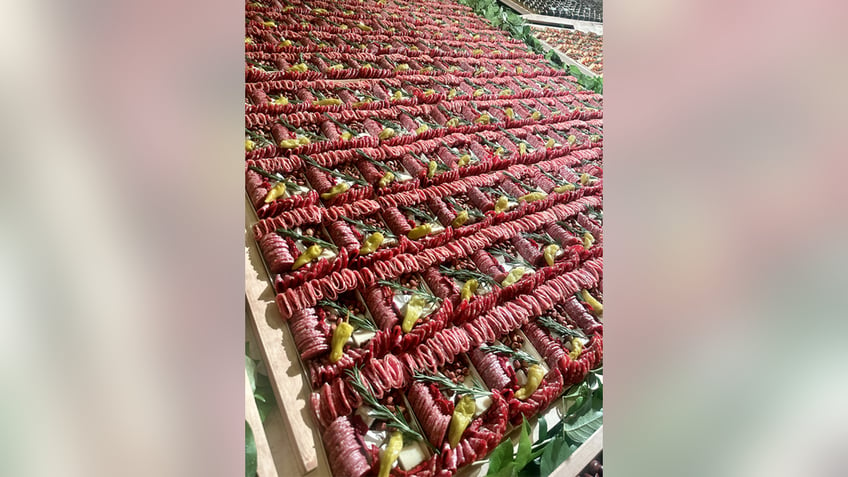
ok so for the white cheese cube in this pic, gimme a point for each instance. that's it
(363, 412)
(411, 455)
(376, 438)
(360, 336)
(483, 403)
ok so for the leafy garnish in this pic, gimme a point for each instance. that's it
(444, 383)
(503, 349)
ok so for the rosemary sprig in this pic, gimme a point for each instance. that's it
(369, 228)
(358, 321)
(302, 131)
(377, 163)
(305, 238)
(498, 192)
(259, 65)
(579, 230)
(340, 124)
(273, 176)
(397, 287)
(393, 419)
(426, 161)
(488, 142)
(388, 124)
(503, 349)
(258, 137)
(465, 275)
(512, 259)
(339, 174)
(458, 208)
(443, 382)
(418, 213)
(550, 176)
(519, 182)
(541, 238)
(559, 328)
(598, 214)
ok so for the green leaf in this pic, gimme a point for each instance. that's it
(508, 471)
(522, 456)
(249, 452)
(543, 428)
(500, 457)
(584, 426)
(555, 454)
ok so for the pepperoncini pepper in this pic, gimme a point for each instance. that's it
(564, 188)
(597, 307)
(483, 119)
(429, 92)
(327, 102)
(550, 254)
(576, 349)
(307, 256)
(422, 129)
(499, 151)
(276, 192)
(463, 160)
(292, 143)
(337, 189)
(397, 95)
(506, 92)
(340, 337)
(502, 204)
(550, 143)
(299, 67)
(535, 373)
(372, 243)
(346, 136)
(588, 240)
(462, 415)
(285, 43)
(571, 139)
(522, 149)
(281, 101)
(402, 67)
(431, 167)
(478, 92)
(469, 289)
(452, 122)
(389, 455)
(532, 197)
(386, 133)
(509, 113)
(387, 179)
(585, 179)
(460, 219)
(513, 276)
(414, 308)
(536, 115)
(249, 145)
(421, 231)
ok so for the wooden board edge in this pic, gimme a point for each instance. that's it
(284, 369)
(265, 466)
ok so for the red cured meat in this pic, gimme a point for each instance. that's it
(343, 451)
(276, 251)
(490, 369)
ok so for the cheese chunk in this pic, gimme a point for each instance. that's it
(411, 455)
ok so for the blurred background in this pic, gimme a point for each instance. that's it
(121, 226)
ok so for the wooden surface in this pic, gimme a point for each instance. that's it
(279, 353)
(264, 459)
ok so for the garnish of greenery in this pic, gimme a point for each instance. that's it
(497, 192)
(519, 183)
(305, 238)
(273, 176)
(418, 213)
(342, 312)
(550, 176)
(559, 328)
(593, 212)
(465, 275)
(377, 163)
(339, 174)
(471, 210)
(369, 228)
(516, 259)
(250, 457)
(579, 230)
(444, 383)
(540, 238)
(420, 291)
(301, 131)
(340, 124)
(393, 419)
(503, 349)
(257, 137)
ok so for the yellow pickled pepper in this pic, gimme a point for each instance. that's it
(550, 254)
(414, 308)
(535, 373)
(576, 348)
(307, 256)
(532, 196)
(513, 276)
(469, 289)
(431, 167)
(340, 337)
(462, 415)
(597, 307)
(421, 231)
(372, 243)
(564, 188)
(588, 240)
(463, 160)
(502, 204)
(387, 179)
(386, 133)
(389, 455)
(337, 189)
(460, 219)
(276, 192)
